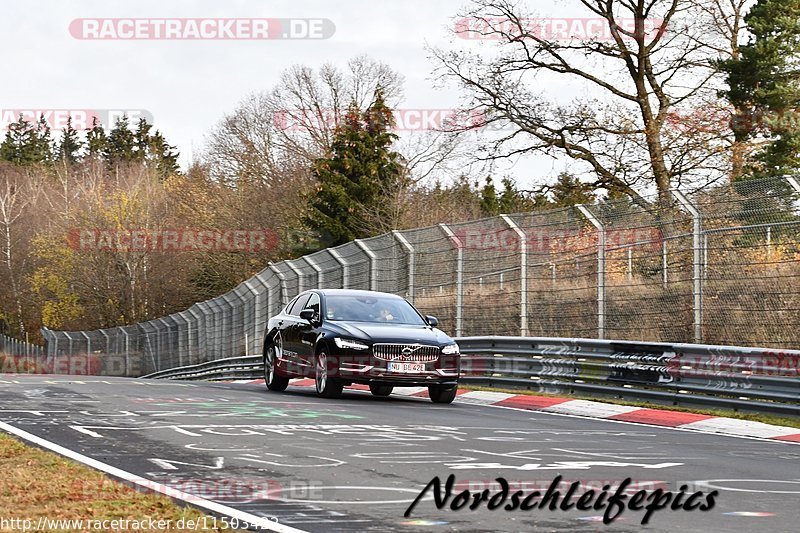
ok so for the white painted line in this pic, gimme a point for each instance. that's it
(483, 397)
(591, 409)
(733, 426)
(258, 521)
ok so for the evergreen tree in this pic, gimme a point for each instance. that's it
(96, 140)
(18, 139)
(121, 145)
(163, 155)
(569, 191)
(489, 203)
(70, 145)
(356, 175)
(41, 147)
(764, 87)
(142, 139)
(26, 143)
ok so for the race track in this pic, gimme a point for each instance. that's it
(355, 464)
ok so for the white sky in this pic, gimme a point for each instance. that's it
(188, 86)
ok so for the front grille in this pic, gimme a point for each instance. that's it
(415, 353)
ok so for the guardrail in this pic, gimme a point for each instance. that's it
(726, 377)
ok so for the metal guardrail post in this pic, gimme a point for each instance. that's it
(459, 276)
(313, 264)
(601, 269)
(345, 267)
(523, 274)
(373, 264)
(697, 261)
(411, 262)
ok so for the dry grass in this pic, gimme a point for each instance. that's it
(36, 483)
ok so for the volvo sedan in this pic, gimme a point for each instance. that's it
(340, 337)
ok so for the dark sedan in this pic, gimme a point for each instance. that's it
(340, 337)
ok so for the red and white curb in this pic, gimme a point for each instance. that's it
(588, 409)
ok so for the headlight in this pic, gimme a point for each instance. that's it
(347, 344)
(450, 349)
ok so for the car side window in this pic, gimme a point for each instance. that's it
(298, 305)
(313, 303)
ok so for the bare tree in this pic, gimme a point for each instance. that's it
(651, 61)
(293, 124)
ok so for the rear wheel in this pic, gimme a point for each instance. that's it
(439, 394)
(327, 387)
(380, 389)
(271, 378)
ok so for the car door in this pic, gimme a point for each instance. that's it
(290, 332)
(307, 334)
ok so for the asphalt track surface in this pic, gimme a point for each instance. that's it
(356, 463)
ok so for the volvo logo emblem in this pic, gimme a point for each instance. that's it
(407, 351)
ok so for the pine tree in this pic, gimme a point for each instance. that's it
(489, 202)
(142, 139)
(41, 147)
(121, 145)
(70, 145)
(569, 191)
(764, 86)
(355, 177)
(96, 140)
(163, 155)
(17, 141)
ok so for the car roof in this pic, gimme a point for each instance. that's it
(355, 292)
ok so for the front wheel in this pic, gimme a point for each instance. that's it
(439, 394)
(271, 378)
(327, 387)
(380, 389)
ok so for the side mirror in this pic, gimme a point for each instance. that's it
(432, 321)
(308, 314)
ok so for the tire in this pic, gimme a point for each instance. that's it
(326, 386)
(271, 378)
(380, 389)
(439, 394)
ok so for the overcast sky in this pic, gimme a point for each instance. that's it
(188, 86)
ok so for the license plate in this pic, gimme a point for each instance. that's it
(406, 368)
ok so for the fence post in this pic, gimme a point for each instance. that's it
(88, 350)
(345, 270)
(411, 262)
(523, 274)
(794, 183)
(298, 273)
(664, 263)
(459, 276)
(281, 283)
(601, 269)
(313, 264)
(697, 262)
(373, 264)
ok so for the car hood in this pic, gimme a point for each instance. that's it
(390, 333)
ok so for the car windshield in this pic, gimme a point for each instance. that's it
(378, 309)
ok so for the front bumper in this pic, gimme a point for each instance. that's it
(366, 368)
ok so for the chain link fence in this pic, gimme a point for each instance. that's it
(717, 266)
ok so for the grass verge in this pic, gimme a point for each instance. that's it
(754, 417)
(39, 484)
